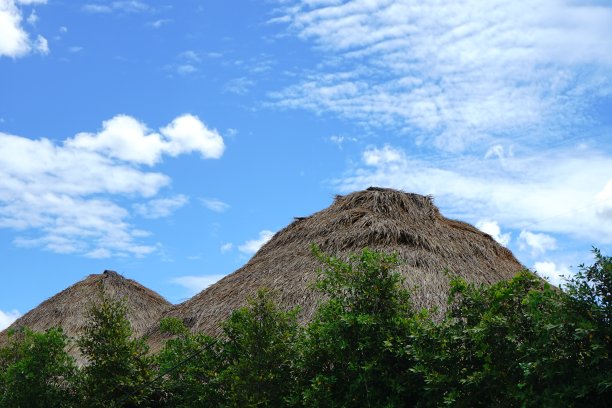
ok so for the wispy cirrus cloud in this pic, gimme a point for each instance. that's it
(127, 6)
(161, 207)
(453, 72)
(215, 204)
(67, 197)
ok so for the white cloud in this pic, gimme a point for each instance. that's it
(252, 246)
(159, 23)
(552, 272)
(190, 56)
(492, 228)
(551, 192)
(239, 86)
(196, 284)
(186, 69)
(63, 197)
(7, 318)
(131, 6)
(538, 243)
(97, 8)
(214, 204)
(453, 72)
(32, 18)
(15, 42)
(129, 140)
(604, 202)
(41, 45)
(340, 140)
(226, 247)
(161, 207)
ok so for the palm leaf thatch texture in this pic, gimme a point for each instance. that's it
(381, 219)
(68, 309)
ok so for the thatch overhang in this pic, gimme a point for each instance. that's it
(428, 244)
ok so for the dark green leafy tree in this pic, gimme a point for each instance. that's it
(355, 352)
(259, 354)
(191, 365)
(250, 365)
(118, 372)
(520, 342)
(36, 371)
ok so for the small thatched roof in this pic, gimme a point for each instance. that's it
(377, 218)
(68, 309)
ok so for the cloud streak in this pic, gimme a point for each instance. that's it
(453, 73)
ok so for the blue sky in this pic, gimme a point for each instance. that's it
(169, 140)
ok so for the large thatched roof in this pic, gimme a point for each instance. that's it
(68, 309)
(381, 219)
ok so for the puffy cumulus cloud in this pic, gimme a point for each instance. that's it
(15, 42)
(456, 72)
(195, 284)
(538, 243)
(552, 272)
(492, 228)
(551, 192)
(127, 139)
(7, 318)
(253, 245)
(65, 197)
(214, 204)
(161, 207)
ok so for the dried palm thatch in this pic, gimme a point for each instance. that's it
(68, 309)
(381, 219)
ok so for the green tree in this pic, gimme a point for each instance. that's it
(251, 365)
(36, 371)
(259, 352)
(118, 370)
(190, 364)
(519, 342)
(355, 352)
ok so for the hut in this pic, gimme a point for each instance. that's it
(68, 309)
(410, 225)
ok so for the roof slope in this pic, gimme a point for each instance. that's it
(68, 309)
(377, 218)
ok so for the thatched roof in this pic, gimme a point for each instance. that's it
(377, 218)
(68, 309)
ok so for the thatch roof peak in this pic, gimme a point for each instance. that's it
(378, 218)
(68, 309)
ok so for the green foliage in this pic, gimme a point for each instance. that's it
(519, 342)
(252, 365)
(355, 351)
(191, 364)
(259, 352)
(516, 343)
(36, 371)
(118, 368)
